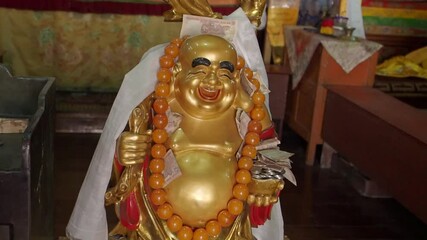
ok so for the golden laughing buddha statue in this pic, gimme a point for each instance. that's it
(183, 168)
(208, 197)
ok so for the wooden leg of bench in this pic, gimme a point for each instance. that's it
(326, 158)
(311, 153)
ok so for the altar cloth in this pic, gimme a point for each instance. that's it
(301, 43)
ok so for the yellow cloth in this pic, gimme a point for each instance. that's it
(401, 66)
(83, 51)
(280, 14)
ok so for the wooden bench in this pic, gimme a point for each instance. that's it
(384, 138)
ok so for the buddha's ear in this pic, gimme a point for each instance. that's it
(236, 75)
(176, 70)
(242, 100)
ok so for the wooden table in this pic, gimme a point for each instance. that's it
(307, 100)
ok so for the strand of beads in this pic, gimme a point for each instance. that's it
(158, 150)
(243, 176)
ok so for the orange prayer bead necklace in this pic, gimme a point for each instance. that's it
(243, 176)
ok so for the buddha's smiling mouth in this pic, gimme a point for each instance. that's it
(208, 93)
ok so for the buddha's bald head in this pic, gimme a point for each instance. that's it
(210, 47)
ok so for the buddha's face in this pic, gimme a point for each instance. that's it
(206, 85)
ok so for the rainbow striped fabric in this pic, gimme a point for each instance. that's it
(403, 18)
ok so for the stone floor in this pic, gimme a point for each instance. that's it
(323, 206)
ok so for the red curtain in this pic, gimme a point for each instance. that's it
(96, 7)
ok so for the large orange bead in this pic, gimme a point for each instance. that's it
(252, 138)
(249, 151)
(256, 83)
(225, 219)
(164, 75)
(158, 150)
(248, 73)
(165, 211)
(158, 197)
(174, 223)
(257, 113)
(213, 228)
(157, 165)
(166, 61)
(177, 41)
(235, 206)
(240, 62)
(160, 135)
(258, 98)
(160, 121)
(156, 181)
(245, 163)
(162, 89)
(186, 233)
(243, 176)
(200, 234)
(240, 191)
(255, 126)
(160, 105)
(172, 50)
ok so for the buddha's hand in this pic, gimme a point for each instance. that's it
(133, 147)
(264, 192)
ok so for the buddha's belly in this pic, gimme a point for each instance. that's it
(204, 187)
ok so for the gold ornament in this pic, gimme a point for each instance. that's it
(192, 7)
(253, 10)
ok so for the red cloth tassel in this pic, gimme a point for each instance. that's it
(129, 212)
